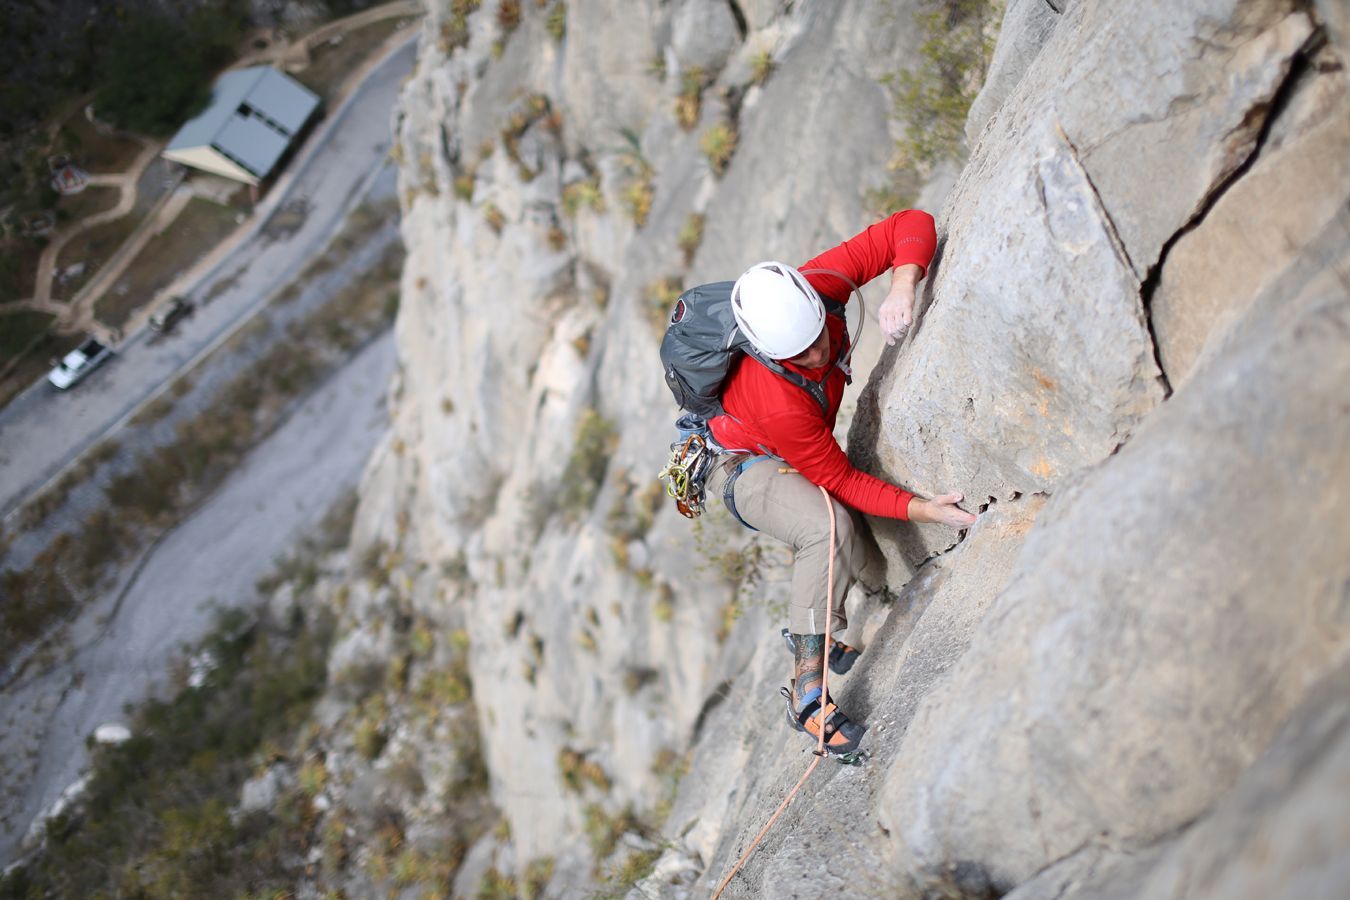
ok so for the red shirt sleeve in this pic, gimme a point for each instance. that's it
(791, 423)
(902, 238)
(806, 444)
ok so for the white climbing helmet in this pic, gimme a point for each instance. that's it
(777, 308)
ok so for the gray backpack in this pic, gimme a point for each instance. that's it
(702, 341)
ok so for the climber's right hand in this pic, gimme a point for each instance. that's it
(941, 510)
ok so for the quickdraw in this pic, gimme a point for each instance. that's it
(685, 472)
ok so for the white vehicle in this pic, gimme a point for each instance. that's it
(79, 362)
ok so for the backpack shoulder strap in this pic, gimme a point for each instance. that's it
(815, 388)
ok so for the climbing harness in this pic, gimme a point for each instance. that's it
(819, 752)
(691, 457)
(729, 488)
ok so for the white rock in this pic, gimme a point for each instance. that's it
(112, 733)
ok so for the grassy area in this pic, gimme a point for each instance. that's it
(19, 257)
(95, 153)
(154, 821)
(157, 818)
(18, 267)
(93, 248)
(196, 231)
(332, 63)
(18, 330)
(88, 202)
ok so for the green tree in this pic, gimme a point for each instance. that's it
(156, 71)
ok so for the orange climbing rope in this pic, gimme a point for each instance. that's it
(819, 752)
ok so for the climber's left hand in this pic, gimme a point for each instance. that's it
(897, 310)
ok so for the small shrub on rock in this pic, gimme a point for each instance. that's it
(689, 101)
(719, 145)
(691, 236)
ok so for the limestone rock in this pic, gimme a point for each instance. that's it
(1026, 26)
(1110, 646)
(1257, 227)
(1336, 17)
(1034, 358)
(1284, 829)
(261, 793)
(704, 33)
(1137, 664)
(1279, 833)
(1163, 126)
(747, 758)
(607, 79)
(112, 733)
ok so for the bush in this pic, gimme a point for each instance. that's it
(508, 15)
(583, 195)
(556, 23)
(577, 771)
(494, 217)
(718, 145)
(154, 820)
(761, 67)
(689, 101)
(691, 236)
(661, 297)
(637, 198)
(537, 876)
(586, 467)
(604, 830)
(931, 100)
(635, 867)
(639, 192)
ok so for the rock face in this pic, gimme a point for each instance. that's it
(1149, 688)
(1132, 356)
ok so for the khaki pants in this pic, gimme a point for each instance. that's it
(792, 509)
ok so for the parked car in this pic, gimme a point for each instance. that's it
(168, 315)
(79, 362)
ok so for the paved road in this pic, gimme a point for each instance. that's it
(42, 430)
(124, 649)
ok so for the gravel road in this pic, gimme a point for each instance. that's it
(124, 648)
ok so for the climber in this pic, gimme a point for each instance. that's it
(766, 417)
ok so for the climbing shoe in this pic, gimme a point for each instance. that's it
(842, 736)
(842, 656)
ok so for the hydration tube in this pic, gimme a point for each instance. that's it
(862, 306)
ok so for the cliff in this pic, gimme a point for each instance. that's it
(1128, 679)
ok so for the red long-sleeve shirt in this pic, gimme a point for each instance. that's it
(767, 414)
